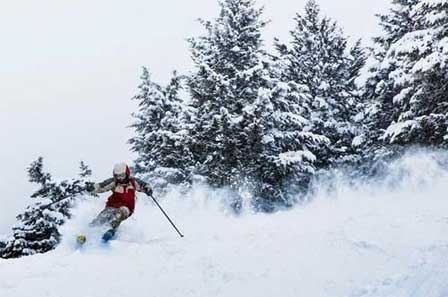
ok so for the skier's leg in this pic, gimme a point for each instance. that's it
(121, 214)
(104, 217)
(101, 219)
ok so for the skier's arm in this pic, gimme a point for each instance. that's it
(143, 187)
(107, 185)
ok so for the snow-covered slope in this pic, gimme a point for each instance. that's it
(389, 238)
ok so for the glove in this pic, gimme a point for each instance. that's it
(90, 187)
(148, 190)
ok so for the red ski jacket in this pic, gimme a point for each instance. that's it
(122, 194)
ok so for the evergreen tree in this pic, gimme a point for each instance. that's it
(380, 87)
(37, 228)
(85, 171)
(395, 24)
(148, 118)
(250, 128)
(229, 72)
(161, 140)
(282, 140)
(318, 57)
(418, 96)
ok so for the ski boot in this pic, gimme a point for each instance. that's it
(108, 235)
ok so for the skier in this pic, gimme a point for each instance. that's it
(121, 204)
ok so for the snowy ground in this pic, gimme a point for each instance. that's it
(386, 239)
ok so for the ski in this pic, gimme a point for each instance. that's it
(81, 239)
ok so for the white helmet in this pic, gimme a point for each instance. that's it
(121, 171)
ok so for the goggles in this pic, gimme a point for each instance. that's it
(120, 176)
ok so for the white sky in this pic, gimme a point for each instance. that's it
(68, 69)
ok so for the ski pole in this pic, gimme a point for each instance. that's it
(155, 201)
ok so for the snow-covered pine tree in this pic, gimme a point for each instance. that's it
(84, 170)
(281, 138)
(229, 73)
(37, 228)
(250, 127)
(161, 136)
(396, 23)
(381, 87)
(319, 58)
(148, 118)
(421, 100)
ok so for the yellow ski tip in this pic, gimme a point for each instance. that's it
(81, 239)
